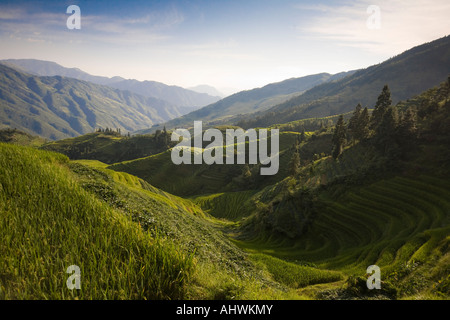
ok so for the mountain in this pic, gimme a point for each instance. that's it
(186, 100)
(407, 75)
(180, 97)
(250, 101)
(59, 107)
(49, 68)
(203, 88)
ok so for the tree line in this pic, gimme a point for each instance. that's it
(389, 128)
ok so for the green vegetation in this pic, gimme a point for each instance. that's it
(353, 190)
(111, 147)
(229, 206)
(131, 240)
(311, 125)
(368, 207)
(15, 136)
(58, 224)
(295, 275)
(194, 180)
(309, 232)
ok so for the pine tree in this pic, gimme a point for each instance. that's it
(339, 137)
(383, 103)
(448, 89)
(408, 124)
(363, 131)
(303, 135)
(385, 135)
(294, 164)
(407, 130)
(353, 124)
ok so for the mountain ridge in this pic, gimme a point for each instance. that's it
(407, 74)
(248, 101)
(59, 107)
(178, 96)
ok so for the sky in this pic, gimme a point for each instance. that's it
(231, 45)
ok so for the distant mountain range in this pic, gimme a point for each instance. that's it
(250, 101)
(407, 75)
(203, 88)
(50, 68)
(322, 95)
(186, 100)
(59, 107)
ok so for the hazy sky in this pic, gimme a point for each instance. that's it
(239, 44)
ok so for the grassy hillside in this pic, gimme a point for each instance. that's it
(227, 206)
(58, 107)
(58, 224)
(130, 240)
(15, 136)
(191, 180)
(110, 147)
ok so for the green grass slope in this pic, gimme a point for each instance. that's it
(193, 180)
(229, 205)
(18, 137)
(110, 147)
(130, 239)
(48, 223)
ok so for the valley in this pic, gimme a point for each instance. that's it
(363, 180)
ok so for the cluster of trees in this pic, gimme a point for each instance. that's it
(110, 131)
(162, 138)
(429, 102)
(295, 163)
(308, 124)
(390, 129)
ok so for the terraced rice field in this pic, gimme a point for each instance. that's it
(227, 205)
(389, 223)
